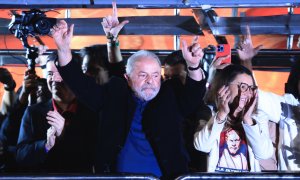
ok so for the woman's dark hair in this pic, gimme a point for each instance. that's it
(291, 86)
(225, 77)
(54, 57)
(175, 58)
(97, 54)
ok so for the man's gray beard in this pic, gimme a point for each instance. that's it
(141, 95)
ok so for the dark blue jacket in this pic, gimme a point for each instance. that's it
(73, 152)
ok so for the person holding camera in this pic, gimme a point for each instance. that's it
(10, 128)
(33, 90)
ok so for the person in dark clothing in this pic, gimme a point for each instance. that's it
(97, 64)
(292, 86)
(57, 135)
(8, 99)
(101, 62)
(175, 67)
(9, 131)
(137, 127)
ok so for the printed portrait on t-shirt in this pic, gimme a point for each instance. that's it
(233, 154)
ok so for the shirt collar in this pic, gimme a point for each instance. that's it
(71, 107)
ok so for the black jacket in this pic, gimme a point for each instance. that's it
(73, 151)
(161, 121)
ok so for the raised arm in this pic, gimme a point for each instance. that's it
(246, 51)
(112, 27)
(193, 55)
(62, 35)
(191, 95)
(216, 64)
(11, 125)
(85, 88)
(9, 93)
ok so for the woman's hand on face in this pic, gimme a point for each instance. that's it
(239, 103)
(223, 99)
(249, 108)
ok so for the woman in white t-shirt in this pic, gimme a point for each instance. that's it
(234, 140)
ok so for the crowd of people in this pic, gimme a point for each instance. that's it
(93, 113)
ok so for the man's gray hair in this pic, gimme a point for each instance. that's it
(136, 56)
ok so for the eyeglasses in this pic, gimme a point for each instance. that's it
(244, 87)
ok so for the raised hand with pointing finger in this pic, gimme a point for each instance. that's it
(111, 24)
(193, 55)
(112, 27)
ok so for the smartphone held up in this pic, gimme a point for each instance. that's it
(223, 50)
